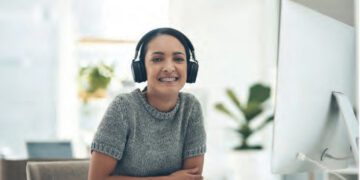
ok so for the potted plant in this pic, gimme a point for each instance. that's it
(248, 159)
(254, 107)
(94, 80)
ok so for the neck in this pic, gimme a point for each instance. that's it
(164, 103)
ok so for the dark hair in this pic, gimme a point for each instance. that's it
(144, 41)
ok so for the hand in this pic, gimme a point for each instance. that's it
(187, 174)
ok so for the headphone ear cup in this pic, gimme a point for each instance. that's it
(192, 71)
(138, 71)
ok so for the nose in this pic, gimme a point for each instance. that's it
(169, 66)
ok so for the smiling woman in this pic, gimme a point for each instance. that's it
(156, 133)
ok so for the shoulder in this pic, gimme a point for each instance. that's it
(189, 98)
(125, 99)
(119, 104)
(192, 110)
(119, 101)
(190, 101)
(127, 103)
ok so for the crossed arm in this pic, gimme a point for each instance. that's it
(191, 170)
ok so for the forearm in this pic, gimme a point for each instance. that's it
(194, 162)
(178, 175)
(137, 178)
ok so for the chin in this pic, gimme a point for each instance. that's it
(170, 90)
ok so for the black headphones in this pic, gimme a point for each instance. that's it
(138, 65)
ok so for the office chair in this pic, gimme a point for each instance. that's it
(57, 170)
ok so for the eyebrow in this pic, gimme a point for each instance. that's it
(158, 52)
(174, 53)
(178, 52)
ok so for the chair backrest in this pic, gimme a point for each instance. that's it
(12, 169)
(16, 169)
(57, 170)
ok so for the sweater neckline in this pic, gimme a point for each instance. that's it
(152, 110)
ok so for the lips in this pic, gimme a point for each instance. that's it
(168, 79)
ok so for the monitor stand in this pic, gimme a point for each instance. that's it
(352, 126)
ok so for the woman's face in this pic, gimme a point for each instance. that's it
(165, 63)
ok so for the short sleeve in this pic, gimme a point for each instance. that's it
(195, 137)
(110, 137)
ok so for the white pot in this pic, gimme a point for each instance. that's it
(250, 165)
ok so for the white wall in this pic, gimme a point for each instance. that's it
(28, 65)
(227, 36)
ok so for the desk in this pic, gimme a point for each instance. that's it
(349, 173)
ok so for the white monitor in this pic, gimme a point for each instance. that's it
(316, 57)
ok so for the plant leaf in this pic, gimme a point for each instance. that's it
(231, 94)
(252, 110)
(222, 108)
(93, 78)
(259, 93)
(262, 125)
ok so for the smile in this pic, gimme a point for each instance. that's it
(168, 79)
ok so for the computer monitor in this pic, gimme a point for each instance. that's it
(49, 150)
(316, 58)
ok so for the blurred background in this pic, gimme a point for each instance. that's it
(63, 61)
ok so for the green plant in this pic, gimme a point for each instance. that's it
(94, 80)
(255, 106)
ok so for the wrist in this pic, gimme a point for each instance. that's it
(160, 178)
(169, 177)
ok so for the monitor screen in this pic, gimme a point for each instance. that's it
(51, 150)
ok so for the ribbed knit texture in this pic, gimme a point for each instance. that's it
(147, 142)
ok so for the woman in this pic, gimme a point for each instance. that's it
(157, 133)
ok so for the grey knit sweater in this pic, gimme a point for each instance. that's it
(147, 142)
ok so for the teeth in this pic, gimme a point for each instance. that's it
(168, 79)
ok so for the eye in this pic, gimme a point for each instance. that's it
(156, 59)
(179, 59)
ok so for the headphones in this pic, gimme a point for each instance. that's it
(138, 64)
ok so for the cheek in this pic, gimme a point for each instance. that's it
(151, 72)
(183, 70)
